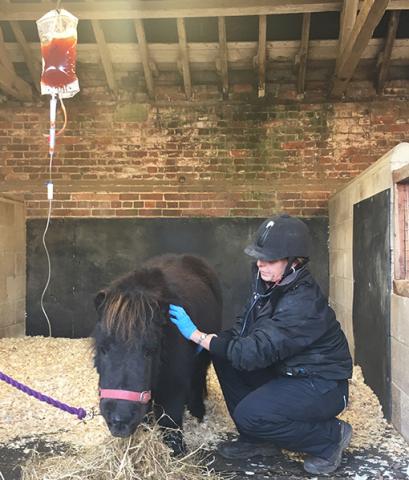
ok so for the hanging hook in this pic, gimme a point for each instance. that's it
(58, 6)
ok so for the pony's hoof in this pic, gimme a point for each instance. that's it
(174, 440)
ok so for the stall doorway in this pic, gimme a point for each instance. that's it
(372, 291)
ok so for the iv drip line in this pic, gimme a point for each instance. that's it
(50, 188)
(57, 30)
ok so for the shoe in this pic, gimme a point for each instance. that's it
(322, 466)
(241, 449)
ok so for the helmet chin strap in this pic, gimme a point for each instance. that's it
(289, 268)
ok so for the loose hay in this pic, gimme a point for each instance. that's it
(63, 369)
(140, 457)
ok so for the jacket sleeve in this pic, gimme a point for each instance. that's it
(297, 322)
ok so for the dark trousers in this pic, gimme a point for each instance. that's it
(296, 413)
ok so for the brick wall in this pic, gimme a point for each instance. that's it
(12, 267)
(244, 157)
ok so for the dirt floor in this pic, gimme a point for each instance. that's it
(63, 369)
(365, 464)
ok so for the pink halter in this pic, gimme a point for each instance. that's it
(140, 397)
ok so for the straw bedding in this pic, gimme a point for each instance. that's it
(63, 369)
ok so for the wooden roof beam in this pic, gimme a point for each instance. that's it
(206, 54)
(348, 18)
(104, 52)
(261, 55)
(384, 58)
(223, 62)
(302, 56)
(33, 66)
(368, 18)
(129, 9)
(144, 53)
(4, 56)
(105, 55)
(13, 85)
(184, 57)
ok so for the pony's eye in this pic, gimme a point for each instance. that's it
(103, 349)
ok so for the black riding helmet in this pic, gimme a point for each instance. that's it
(279, 237)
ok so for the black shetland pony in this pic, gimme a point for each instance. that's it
(140, 355)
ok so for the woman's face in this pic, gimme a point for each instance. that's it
(272, 271)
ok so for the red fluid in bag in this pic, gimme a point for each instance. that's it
(59, 62)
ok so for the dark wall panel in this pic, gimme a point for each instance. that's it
(371, 303)
(87, 254)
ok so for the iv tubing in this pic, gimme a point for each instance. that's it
(49, 268)
(51, 139)
(50, 194)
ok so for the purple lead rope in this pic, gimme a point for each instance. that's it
(79, 412)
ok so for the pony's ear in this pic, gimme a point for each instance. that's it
(99, 299)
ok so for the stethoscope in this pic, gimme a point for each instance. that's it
(256, 297)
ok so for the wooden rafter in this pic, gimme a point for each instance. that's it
(348, 18)
(261, 55)
(144, 53)
(241, 54)
(14, 85)
(184, 57)
(128, 9)
(384, 58)
(105, 55)
(4, 56)
(33, 66)
(104, 52)
(10, 82)
(224, 69)
(368, 18)
(303, 53)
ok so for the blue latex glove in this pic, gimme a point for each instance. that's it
(182, 320)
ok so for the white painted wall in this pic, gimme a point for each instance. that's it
(375, 179)
(12, 267)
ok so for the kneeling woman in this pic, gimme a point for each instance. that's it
(284, 366)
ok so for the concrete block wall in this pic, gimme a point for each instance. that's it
(375, 179)
(400, 362)
(12, 267)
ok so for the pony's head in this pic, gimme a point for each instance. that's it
(128, 336)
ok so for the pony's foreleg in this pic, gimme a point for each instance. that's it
(169, 413)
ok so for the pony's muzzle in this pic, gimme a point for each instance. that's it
(122, 417)
(118, 427)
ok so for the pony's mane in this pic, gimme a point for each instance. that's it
(125, 314)
(130, 304)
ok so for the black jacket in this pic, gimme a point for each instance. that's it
(290, 327)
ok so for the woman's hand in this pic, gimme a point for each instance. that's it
(182, 320)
